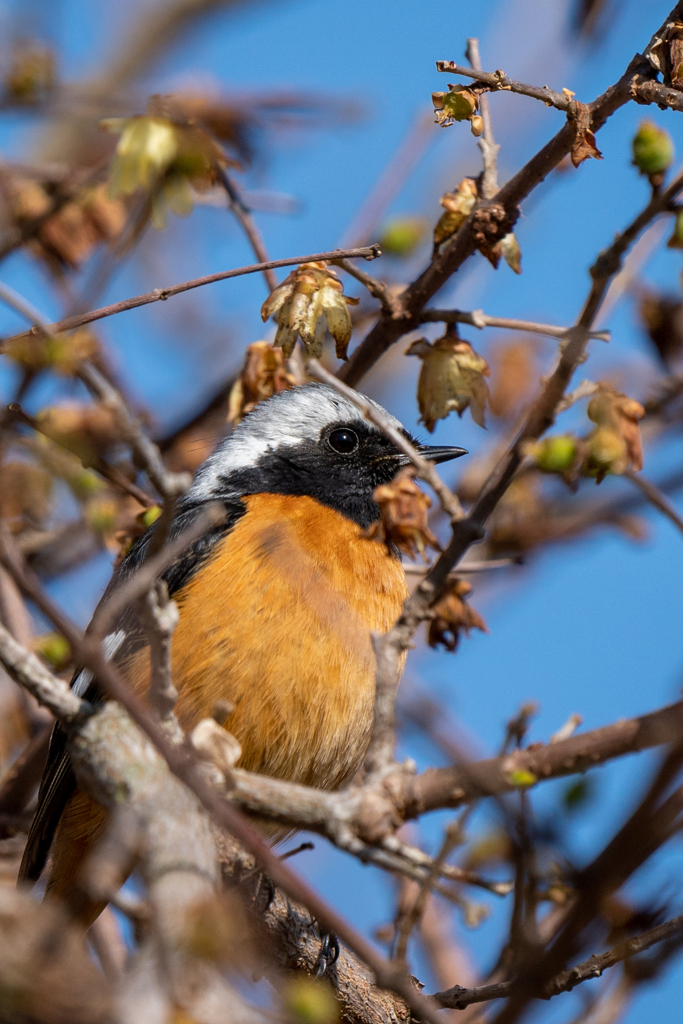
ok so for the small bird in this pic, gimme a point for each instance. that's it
(277, 604)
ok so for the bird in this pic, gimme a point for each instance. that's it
(276, 604)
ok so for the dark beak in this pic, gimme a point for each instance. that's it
(437, 453)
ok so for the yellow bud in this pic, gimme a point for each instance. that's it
(522, 778)
(310, 1001)
(476, 125)
(54, 649)
(653, 150)
(150, 515)
(401, 236)
(555, 454)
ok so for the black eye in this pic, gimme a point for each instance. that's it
(344, 441)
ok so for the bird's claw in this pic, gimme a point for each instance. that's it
(328, 955)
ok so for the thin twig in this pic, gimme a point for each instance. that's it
(498, 80)
(376, 288)
(458, 998)
(491, 563)
(145, 452)
(487, 213)
(146, 455)
(655, 497)
(161, 294)
(477, 318)
(111, 473)
(160, 615)
(644, 89)
(452, 836)
(243, 215)
(486, 142)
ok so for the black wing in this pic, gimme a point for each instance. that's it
(59, 782)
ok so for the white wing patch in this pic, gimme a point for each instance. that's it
(110, 646)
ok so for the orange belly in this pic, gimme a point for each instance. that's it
(278, 623)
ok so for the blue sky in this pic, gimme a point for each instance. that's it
(594, 628)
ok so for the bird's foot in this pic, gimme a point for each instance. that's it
(328, 955)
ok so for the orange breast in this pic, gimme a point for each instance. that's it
(278, 623)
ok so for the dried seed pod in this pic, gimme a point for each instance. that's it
(458, 104)
(451, 615)
(451, 379)
(263, 375)
(166, 159)
(458, 206)
(87, 430)
(615, 444)
(403, 516)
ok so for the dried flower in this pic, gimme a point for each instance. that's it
(309, 301)
(263, 374)
(615, 444)
(451, 615)
(458, 206)
(476, 125)
(62, 353)
(166, 159)
(31, 75)
(403, 516)
(25, 491)
(509, 249)
(584, 144)
(68, 237)
(458, 104)
(451, 379)
(87, 430)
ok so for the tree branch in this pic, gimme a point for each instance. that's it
(458, 998)
(161, 294)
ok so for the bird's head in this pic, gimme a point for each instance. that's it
(308, 441)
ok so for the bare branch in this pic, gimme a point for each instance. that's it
(111, 473)
(376, 288)
(477, 318)
(491, 217)
(160, 615)
(655, 497)
(243, 215)
(161, 294)
(29, 671)
(487, 143)
(458, 998)
(498, 80)
(452, 836)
